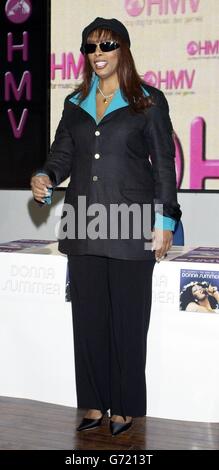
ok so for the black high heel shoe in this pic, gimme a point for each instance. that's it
(89, 423)
(117, 428)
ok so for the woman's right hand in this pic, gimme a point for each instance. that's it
(39, 185)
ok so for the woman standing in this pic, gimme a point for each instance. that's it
(115, 142)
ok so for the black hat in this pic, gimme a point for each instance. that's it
(113, 24)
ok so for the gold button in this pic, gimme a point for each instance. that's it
(95, 178)
(97, 133)
(97, 155)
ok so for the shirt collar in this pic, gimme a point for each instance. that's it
(89, 103)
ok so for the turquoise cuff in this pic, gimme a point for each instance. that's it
(164, 223)
(41, 173)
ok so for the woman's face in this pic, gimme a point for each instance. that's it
(199, 292)
(104, 64)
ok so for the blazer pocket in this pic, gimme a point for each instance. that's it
(137, 195)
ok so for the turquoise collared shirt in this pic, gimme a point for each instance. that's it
(89, 105)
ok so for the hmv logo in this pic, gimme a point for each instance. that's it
(161, 7)
(17, 12)
(171, 79)
(203, 48)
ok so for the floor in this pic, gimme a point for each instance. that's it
(31, 425)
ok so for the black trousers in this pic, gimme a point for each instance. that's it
(111, 303)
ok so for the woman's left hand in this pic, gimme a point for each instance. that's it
(161, 242)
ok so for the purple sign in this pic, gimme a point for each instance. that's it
(23, 91)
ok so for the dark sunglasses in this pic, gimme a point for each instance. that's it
(106, 46)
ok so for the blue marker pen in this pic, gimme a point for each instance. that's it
(46, 199)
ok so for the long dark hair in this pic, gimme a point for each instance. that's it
(129, 80)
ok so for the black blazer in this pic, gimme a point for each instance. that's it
(122, 174)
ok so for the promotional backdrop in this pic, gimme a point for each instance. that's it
(175, 46)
